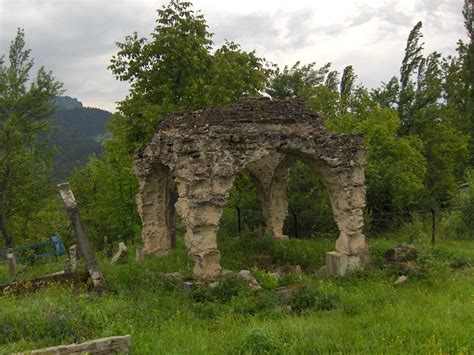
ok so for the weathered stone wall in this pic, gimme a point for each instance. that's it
(202, 151)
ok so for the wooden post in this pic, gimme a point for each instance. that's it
(433, 225)
(11, 263)
(75, 218)
(239, 221)
(295, 223)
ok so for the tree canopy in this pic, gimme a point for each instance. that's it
(25, 107)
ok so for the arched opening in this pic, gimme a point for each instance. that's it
(156, 206)
(243, 212)
(309, 207)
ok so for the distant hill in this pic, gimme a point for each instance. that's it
(78, 132)
(66, 103)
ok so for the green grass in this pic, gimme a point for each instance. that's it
(363, 313)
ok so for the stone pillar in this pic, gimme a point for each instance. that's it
(11, 262)
(73, 257)
(155, 202)
(270, 175)
(278, 203)
(200, 206)
(347, 194)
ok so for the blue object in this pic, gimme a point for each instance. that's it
(53, 247)
(58, 245)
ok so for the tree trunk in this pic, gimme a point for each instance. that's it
(295, 223)
(7, 237)
(239, 220)
(433, 226)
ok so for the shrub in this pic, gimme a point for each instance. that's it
(264, 278)
(223, 292)
(320, 297)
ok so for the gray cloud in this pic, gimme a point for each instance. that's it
(75, 39)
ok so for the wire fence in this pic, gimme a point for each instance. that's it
(446, 223)
(437, 223)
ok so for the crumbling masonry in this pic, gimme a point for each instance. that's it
(200, 153)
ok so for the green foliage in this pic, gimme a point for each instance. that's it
(25, 108)
(396, 167)
(177, 70)
(309, 206)
(383, 318)
(458, 223)
(224, 291)
(242, 199)
(264, 278)
(105, 191)
(322, 297)
(433, 105)
(78, 133)
(291, 83)
(247, 251)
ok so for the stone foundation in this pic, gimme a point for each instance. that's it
(338, 264)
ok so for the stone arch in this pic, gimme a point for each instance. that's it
(270, 175)
(203, 151)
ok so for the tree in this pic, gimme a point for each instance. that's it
(432, 100)
(177, 70)
(347, 81)
(291, 83)
(410, 64)
(396, 169)
(25, 106)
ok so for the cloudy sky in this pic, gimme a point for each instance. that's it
(75, 38)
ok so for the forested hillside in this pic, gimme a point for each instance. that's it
(78, 132)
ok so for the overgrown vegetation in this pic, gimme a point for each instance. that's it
(418, 130)
(363, 313)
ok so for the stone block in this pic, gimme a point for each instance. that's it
(336, 263)
(111, 345)
(401, 253)
(121, 253)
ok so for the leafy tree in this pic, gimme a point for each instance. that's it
(177, 70)
(410, 64)
(397, 168)
(432, 101)
(106, 191)
(25, 107)
(291, 83)
(347, 81)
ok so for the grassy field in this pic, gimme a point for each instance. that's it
(363, 313)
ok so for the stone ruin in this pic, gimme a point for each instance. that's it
(193, 158)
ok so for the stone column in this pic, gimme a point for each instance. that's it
(270, 175)
(278, 203)
(155, 202)
(200, 205)
(347, 195)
